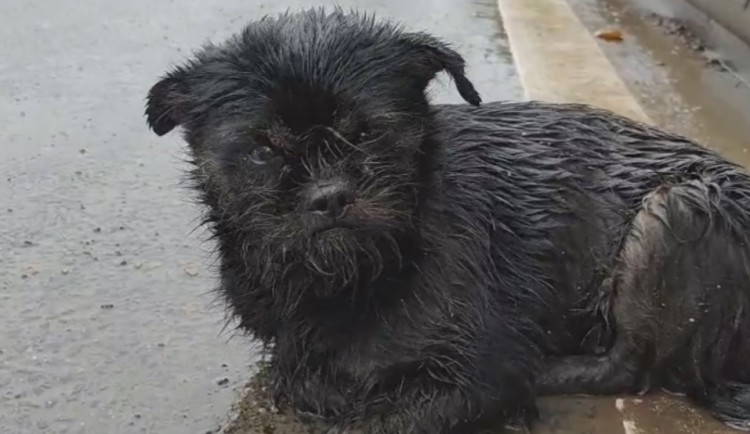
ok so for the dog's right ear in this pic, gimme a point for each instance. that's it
(428, 55)
(166, 104)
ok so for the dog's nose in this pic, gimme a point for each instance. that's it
(331, 198)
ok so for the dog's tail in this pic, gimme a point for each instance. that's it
(729, 402)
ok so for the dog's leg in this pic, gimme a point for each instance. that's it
(680, 304)
(612, 373)
(639, 268)
(448, 411)
(455, 391)
(659, 297)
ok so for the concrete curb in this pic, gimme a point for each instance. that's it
(559, 61)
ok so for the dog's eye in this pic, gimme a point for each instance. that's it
(261, 155)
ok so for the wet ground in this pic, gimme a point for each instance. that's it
(107, 319)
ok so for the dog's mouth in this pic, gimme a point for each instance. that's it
(331, 226)
(361, 220)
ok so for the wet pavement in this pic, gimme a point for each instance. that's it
(108, 323)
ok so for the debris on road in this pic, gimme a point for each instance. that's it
(609, 35)
(191, 271)
(29, 271)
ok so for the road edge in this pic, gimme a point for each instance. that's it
(724, 28)
(559, 61)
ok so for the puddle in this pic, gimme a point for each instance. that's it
(655, 413)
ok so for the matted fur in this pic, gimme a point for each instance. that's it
(484, 249)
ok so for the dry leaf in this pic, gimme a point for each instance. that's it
(610, 35)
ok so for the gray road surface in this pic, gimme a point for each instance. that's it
(107, 320)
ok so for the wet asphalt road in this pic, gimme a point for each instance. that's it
(107, 319)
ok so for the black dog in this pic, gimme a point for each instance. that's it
(431, 269)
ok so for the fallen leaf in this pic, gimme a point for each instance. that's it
(609, 35)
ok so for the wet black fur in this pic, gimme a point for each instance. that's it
(489, 247)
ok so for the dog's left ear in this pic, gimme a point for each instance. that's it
(166, 104)
(432, 56)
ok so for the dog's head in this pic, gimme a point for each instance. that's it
(306, 130)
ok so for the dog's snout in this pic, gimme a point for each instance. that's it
(331, 198)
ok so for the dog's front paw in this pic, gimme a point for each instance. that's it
(320, 402)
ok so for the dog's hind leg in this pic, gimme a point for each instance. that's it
(678, 300)
(634, 295)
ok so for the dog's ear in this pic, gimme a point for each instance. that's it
(165, 104)
(432, 56)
